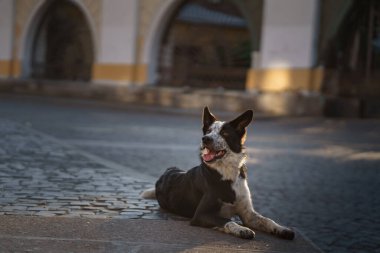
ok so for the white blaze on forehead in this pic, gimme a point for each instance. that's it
(214, 133)
(216, 126)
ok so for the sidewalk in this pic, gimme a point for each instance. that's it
(36, 234)
(56, 198)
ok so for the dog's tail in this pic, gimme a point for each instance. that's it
(149, 194)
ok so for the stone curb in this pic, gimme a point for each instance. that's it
(289, 103)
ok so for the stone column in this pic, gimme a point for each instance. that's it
(6, 37)
(117, 50)
(288, 48)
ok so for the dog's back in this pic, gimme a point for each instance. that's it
(181, 192)
(173, 188)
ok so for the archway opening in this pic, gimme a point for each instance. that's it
(207, 44)
(62, 46)
(350, 48)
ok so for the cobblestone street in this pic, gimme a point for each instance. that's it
(82, 159)
(40, 177)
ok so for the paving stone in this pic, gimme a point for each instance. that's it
(82, 212)
(112, 207)
(67, 198)
(59, 211)
(74, 208)
(104, 199)
(13, 208)
(107, 211)
(80, 203)
(37, 198)
(31, 201)
(115, 202)
(6, 200)
(132, 206)
(57, 204)
(38, 208)
(94, 208)
(88, 198)
(133, 201)
(27, 204)
(100, 204)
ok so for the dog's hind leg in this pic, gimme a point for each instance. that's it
(149, 194)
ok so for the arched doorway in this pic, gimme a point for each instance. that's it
(206, 44)
(62, 46)
(350, 50)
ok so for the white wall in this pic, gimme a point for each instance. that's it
(118, 32)
(289, 28)
(6, 24)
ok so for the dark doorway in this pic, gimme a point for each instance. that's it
(350, 51)
(62, 46)
(206, 45)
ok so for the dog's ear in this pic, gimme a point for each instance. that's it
(241, 122)
(208, 119)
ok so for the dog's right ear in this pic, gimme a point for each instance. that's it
(208, 119)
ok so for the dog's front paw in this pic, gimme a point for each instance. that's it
(246, 233)
(239, 231)
(285, 233)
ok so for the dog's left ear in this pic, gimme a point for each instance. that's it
(241, 122)
(208, 119)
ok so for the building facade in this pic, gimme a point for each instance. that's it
(325, 48)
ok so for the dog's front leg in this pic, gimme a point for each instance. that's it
(207, 215)
(254, 220)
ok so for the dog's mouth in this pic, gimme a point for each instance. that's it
(209, 155)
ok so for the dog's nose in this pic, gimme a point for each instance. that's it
(206, 139)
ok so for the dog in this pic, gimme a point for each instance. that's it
(216, 190)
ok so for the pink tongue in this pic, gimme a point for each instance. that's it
(209, 156)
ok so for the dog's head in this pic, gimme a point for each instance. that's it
(222, 142)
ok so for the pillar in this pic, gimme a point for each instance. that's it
(288, 48)
(6, 38)
(117, 48)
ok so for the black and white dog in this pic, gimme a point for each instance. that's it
(213, 192)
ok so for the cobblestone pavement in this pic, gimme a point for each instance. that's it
(38, 176)
(319, 175)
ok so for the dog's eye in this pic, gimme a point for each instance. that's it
(208, 131)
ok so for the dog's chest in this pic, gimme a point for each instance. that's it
(240, 187)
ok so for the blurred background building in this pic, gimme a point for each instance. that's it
(288, 56)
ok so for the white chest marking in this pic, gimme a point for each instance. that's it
(243, 199)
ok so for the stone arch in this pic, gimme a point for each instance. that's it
(162, 19)
(33, 29)
(349, 47)
(152, 41)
